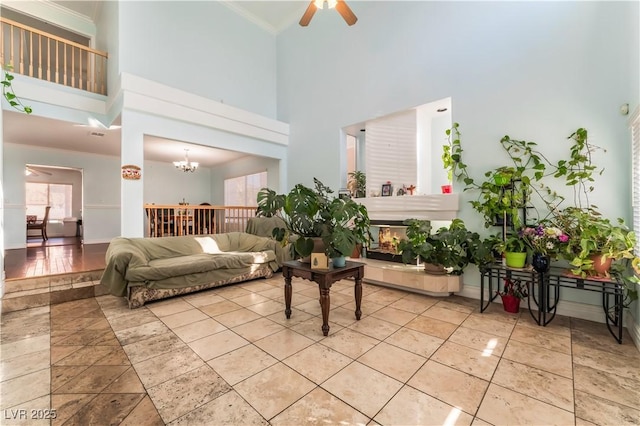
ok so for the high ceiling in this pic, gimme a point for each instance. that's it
(274, 16)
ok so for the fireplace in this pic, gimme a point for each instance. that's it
(386, 234)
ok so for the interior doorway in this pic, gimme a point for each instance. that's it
(61, 189)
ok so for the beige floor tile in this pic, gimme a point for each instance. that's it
(468, 360)
(605, 343)
(25, 364)
(503, 406)
(166, 366)
(257, 286)
(275, 293)
(168, 307)
(443, 314)
(583, 422)
(367, 307)
(115, 357)
(267, 308)
(363, 388)
(220, 308)
(183, 318)
(479, 422)
(394, 315)
(489, 344)
(241, 363)
(235, 318)
(544, 359)
(250, 299)
(283, 343)
(383, 297)
(87, 355)
(311, 307)
(145, 413)
(231, 291)
(61, 375)
(131, 318)
(180, 395)
(297, 299)
(197, 330)
(24, 388)
(453, 306)
(205, 298)
(454, 387)
(258, 329)
(394, 362)
(274, 389)
(349, 343)
(319, 408)
(317, 362)
(432, 326)
(412, 407)
(152, 347)
(338, 299)
(297, 316)
(217, 344)
(541, 385)
(606, 385)
(412, 305)
(341, 316)
(560, 325)
(489, 325)
(24, 347)
(602, 360)
(58, 353)
(135, 334)
(374, 327)
(604, 412)
(227, 409)
(415, 341)
(312, 328)
(541, 338)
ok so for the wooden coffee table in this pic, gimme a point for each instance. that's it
(324, 278)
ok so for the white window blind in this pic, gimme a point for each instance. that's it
(58, 196)
(243, 190)
(635, 136)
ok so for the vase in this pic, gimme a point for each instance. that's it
(540, 262)
(339, 262)
(510, 303)
(515, 260)
(600, 266)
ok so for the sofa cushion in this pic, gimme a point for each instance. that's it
(159, 269)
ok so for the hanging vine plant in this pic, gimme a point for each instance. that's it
(9, 94)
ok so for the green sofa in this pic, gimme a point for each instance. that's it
(145, 269)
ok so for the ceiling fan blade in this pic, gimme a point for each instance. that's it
(308, 14)
(346, 13)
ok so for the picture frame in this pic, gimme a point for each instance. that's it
(319, 261)
(386, 190)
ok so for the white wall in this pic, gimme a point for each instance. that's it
(108, 40)
(164, 184)
(533, 70)
(201, 47)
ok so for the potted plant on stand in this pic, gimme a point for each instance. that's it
(514, 249)
(512, 293)
(357, 184)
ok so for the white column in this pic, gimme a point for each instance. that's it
(132, 216)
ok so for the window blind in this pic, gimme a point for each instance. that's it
(635, 137)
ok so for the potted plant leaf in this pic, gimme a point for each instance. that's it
(315, 220)
(512, 293)
(357, 184)
(514, 249)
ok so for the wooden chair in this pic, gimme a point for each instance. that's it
(205, 220)
(41, 225)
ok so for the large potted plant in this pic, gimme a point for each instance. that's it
(315, 220)
(357, 184)
(446, 251)
(514, 249)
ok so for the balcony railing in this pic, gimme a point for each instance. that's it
(169, 220)
(38, 54)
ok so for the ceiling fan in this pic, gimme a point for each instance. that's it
(340, 5)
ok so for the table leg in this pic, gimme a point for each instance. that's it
(287, 296)
(358, 293)
(324, 304)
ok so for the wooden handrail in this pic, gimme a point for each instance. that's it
(185, 219)
(53, 59)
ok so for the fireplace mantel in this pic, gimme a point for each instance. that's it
(427, 207)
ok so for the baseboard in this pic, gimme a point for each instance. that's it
(634, 330)
(97, 241)
(566, 308)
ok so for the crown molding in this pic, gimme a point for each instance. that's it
(250, 16)
(55, 14)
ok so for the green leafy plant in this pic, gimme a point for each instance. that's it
(357, 184)
(452, 247)
(515, 288)
(9, 94)
(314, 213)
(514, 243)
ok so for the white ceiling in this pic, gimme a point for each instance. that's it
(48, 133)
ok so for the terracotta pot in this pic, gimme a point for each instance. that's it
(601, 266)
(515, 260)
(510, 303)
(356, 251)
(432, 269)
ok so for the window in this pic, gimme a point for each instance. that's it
(351, 155)
(41, 195)
(243, 190)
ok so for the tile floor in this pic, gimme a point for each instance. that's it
(229, 356)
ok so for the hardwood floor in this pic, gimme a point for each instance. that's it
(55, 256)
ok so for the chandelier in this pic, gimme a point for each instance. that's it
(186, 165)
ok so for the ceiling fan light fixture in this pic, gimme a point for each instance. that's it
(186, 165)
(330, 3)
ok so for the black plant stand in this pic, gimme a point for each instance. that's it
(548, 286)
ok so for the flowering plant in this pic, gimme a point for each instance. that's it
(546, 240)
